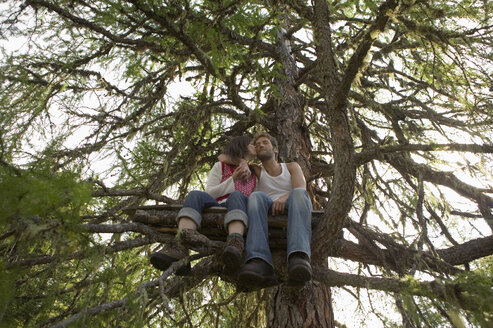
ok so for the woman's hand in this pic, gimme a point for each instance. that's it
(242, 172)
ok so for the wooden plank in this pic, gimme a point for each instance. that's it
(163, 219)
(211, 217)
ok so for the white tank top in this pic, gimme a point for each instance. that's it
(277, 186)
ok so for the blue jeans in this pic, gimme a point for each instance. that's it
(299, 232)
(197, 200)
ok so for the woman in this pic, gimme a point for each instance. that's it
(223, 179)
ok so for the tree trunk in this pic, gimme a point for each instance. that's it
(288, 306)
(308, 307)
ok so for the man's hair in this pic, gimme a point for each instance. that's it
(258, 135)
(237, 147)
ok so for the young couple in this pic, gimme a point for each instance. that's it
(248, 198)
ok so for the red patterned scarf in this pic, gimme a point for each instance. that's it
(245, 187)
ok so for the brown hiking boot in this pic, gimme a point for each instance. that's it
(170, 253)
(233, 253)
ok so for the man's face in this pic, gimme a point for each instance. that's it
(264, 148)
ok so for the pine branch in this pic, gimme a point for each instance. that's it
(172, 289)
(342, 189)
(139, 192)
(180, 35)
(356, 62)
(450, 292)
(399, 258)
(116, 247)
(408, 166)
(90, 25)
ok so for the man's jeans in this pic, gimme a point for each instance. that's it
(299, 232)
(197, 200)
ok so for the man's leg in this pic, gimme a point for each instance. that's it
(299, 236)
(189, 217)
(258, 270)
(235, 223)
(236, 219)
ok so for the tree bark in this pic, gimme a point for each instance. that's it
(309, 307)
(288, 306)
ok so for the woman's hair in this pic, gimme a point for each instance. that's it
(237, 147)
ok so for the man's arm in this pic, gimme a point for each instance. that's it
(297, 181)
(297, 177)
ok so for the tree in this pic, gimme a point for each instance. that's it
(386, 106)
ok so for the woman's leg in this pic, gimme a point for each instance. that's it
(189, 217)
(186, 223)
(236, 227)
(235, 222)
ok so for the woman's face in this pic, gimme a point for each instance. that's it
(251, 151)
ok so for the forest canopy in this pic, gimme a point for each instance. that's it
(106, 105)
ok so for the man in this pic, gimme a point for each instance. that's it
(281, 187)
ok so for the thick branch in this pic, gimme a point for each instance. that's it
(471, 148)
(445, 291)
(370, 154)
(401, 258)
(341, 195)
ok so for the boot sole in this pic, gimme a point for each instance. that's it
(252, 280)
(231, 259)
(299, 275)
(162, 262)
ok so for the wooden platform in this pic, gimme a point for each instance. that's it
(163, 219)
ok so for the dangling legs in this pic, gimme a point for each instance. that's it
(235, 222)
(258, 270)
(189, 217)
(299, 236)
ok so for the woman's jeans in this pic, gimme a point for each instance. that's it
(197, 200)
(299, 231)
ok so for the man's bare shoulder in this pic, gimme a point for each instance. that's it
(293, 166)
(257, 169)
